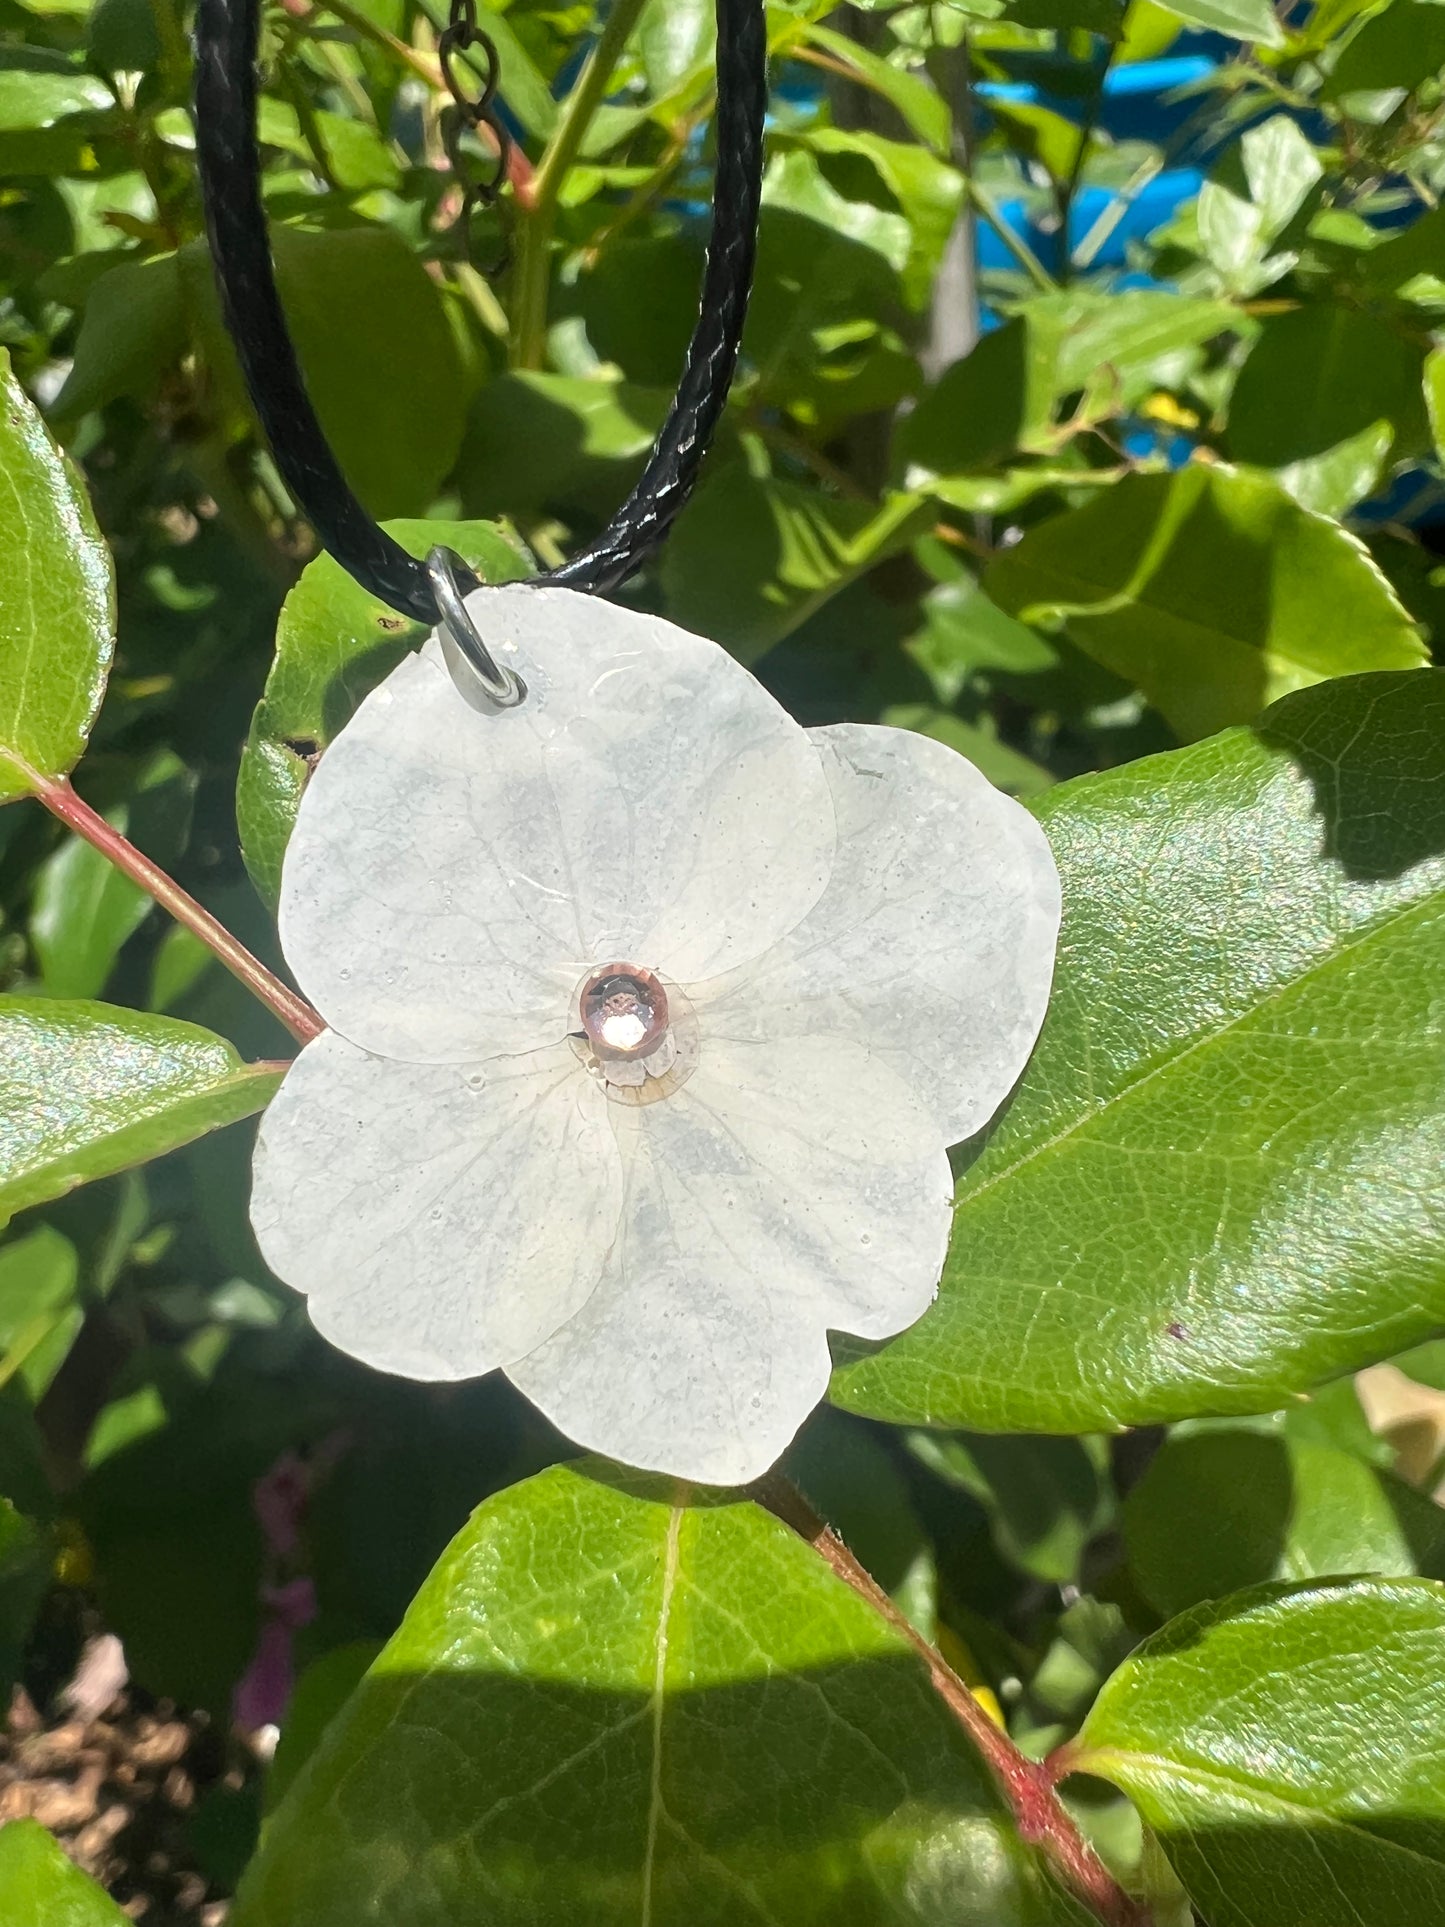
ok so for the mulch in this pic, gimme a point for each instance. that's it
(120, 1789)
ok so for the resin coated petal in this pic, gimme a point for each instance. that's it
(935, 938)
(784, 1190)
(441, 1219)
(454, 874)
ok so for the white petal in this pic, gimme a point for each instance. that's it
(783, 1190)
(442, 1219)
(934, 941)
(453, 875)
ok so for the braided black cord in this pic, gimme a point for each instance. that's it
(230, 171)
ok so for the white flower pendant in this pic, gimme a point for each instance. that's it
(652, 1016)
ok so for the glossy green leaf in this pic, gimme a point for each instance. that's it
(1229, 1507)
(334, 643)
(1210, 590)
(1288, 1748)
(1213, 1186)
(87, 1089)
(57, 602)
(606, 1707)
(39, 1887)
(1045, 1498)
(752, 556)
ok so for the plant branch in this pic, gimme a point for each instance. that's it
(1026, 1786)
(1019, 248)
(534, 250)
(76, 814)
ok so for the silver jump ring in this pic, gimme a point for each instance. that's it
(474, 669)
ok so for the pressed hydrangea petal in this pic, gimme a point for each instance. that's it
(452, 875)
(442, 1219)
(934, 940)
(783, 1190)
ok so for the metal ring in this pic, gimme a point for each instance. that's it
(474, 669)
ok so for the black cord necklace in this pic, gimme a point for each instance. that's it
(230, 171)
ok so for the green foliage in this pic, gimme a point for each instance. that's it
(57, 610)
(39, 1887)
(87, 1089)
(1209, 591)
(750, 1733)
(1338, 1816)
(1142, 511)
(1222, 1509)
(1228, 960)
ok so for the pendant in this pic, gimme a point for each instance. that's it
(652, 1016)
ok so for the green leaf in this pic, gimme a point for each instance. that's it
(1211, 1188)
(39, 1887)
(1004, 766)
(321, 1692)
(1286, 1747)
(1402, 46)
(57, 602)
(1229, 1507)
(963, 632)
(540, 441)
(87, 1089)
(380, 359)
(1104, 353)
(1410, 266)
(334, 643)
(1210, 590)
(1252, 20)
(39, 88)
(1435, 395)
(1318, 377)
(49, 109)
(84, 910)
(752, 557)
(1045, 1498)
(850, 1479)
(926, 190)
(605, 1707)
(39, 1309)
(920, 105)
(132, 331)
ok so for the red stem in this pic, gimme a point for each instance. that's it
(1026, 1786)
(61, 800)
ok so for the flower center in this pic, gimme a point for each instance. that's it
(624, 1013)
(638, 1037)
